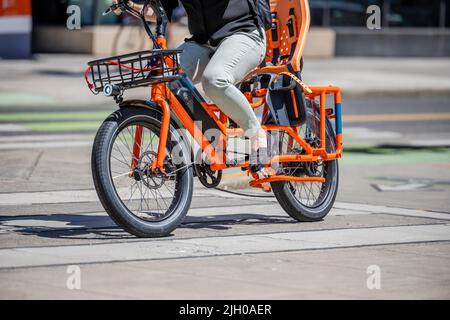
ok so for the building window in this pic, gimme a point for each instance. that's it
(396, 13)
(54, 12)
(415, 13)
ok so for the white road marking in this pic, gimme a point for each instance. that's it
(363, 133)
(46, 197)
(70, 196)
(401, 187)
(214, 246)
(48, 141)
(268, 205)
(345, 206)
(46, 137)
(44, 145)
(7, 127)
(429, 143)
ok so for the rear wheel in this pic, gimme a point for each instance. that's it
(307, 201)
(143, 203)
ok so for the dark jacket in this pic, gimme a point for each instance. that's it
(214, 20)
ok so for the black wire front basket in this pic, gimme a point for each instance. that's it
(140, 69)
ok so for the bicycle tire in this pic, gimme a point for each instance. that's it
(104, 184)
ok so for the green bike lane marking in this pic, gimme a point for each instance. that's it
(56, 121)
(63, 126)
(395, 157)
(24, 99)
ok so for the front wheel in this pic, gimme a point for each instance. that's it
(142, 202)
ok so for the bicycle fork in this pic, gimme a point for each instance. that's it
(157, 93)
(158, 164)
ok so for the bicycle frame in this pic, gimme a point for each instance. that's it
(168, 102)
(162, 95)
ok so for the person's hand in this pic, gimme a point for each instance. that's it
(118, 11)
(149, 14)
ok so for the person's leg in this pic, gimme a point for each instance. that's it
(234, 58)
(194, 60)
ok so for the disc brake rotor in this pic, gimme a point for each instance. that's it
(314, 169)
(299, 169)
(150, 179)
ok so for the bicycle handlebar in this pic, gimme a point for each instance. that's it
(161, 17)
(160, 14)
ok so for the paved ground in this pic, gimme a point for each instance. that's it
(229, 247)
(247, 247)
(391, 218)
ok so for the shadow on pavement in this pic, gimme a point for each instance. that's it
(98, 226)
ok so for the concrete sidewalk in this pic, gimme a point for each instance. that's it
(58, 80)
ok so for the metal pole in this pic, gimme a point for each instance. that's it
(443, 14)
(95, 13)
(386, 12)
(327, 15)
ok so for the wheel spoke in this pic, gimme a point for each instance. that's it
(309, 194)
(148, 195)
(121, 175)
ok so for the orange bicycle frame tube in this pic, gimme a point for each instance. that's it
(163, 96)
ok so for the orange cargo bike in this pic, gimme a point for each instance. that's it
(147, 153)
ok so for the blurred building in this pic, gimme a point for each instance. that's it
(15, 28)
(409, 28)
(417, 28)
(98, 34)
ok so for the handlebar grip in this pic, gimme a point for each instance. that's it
(161, 17)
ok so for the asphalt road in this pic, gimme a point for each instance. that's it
(419, 116)
(391, 220)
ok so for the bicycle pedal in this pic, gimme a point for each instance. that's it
(270, 172)
(266, 172)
